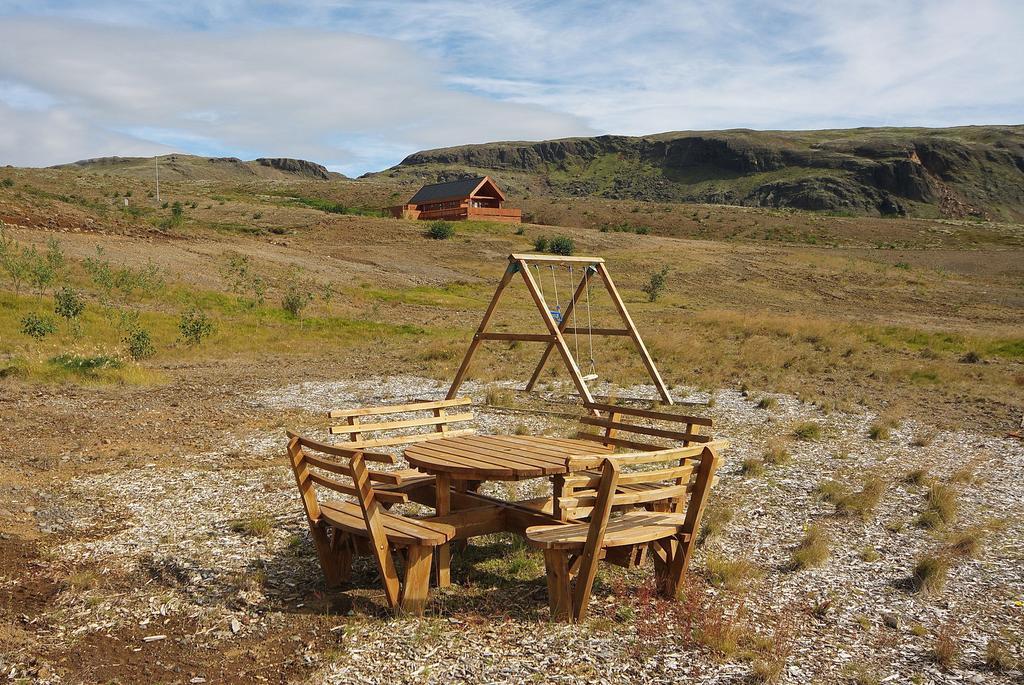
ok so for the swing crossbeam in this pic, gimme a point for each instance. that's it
(558, 329)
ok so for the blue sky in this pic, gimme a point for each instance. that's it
(359, 85)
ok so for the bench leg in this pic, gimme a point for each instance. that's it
(670, 569)
(417, 579)
(443, 506)
(559, 593)
(327, 554)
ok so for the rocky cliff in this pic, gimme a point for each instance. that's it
(976, 170)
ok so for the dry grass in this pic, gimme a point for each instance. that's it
(964, 544)
(716, 518)
(946, 648)
(776, 453)
(869, 554)
(863, 502)
(930, 573)
(732, 574)
(767, 403)
(813, 549)
(861, 674)
(807, 431)
(752, 467)
(498, 396)
(923, 438)
(941, 508)
(831, 491)
(998, 657)
(917, 477)
(885, 424)
(256, 525)
(963, 475)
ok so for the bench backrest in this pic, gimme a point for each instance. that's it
(340, 470)
(363, 426)
(621, 427)
(667, 475)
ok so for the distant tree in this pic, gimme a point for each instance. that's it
(562, 245)
(195, 326)
(656, 284)
(37, 326)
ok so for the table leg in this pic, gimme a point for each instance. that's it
(443, 506)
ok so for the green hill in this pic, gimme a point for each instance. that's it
(179, 167)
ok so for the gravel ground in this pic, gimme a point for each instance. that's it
(213, 557)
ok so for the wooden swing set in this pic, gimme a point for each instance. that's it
(557, 320)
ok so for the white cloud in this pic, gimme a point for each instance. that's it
(360, 84)
(287, 92)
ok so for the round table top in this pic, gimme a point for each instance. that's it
(497, 457)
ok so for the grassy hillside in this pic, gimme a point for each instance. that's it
(179, 167)
(975, 171)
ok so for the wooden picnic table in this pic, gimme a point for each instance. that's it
(466, 460)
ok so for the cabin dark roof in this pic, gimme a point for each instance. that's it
(438, 192)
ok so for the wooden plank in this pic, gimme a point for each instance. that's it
(556, 564)
(443, 507)
(643, 430)
(555, 259)
(619, 442)
(645, 356)
(332, 484)
(394, 425)
(521, 453)
(588, 498)
(650, 414)
(373, 515)
(346, 452)
(479, 520)
(405, 439)
(523, 337)
(594, 331)
(436, 458)
(399, 408)
(595, 538)
(417, 579)
(460, 375)
(633, 528)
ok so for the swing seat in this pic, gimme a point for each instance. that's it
(556, 315)
(590, 377)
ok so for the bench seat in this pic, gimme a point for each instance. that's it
(400, 530)
(633, 528)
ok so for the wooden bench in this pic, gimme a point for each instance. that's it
(364, 428)
(337, 524)
(682, 475)
(618, 428)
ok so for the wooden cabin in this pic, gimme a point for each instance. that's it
(471, 198)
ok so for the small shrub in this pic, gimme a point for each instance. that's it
(498, 396)
(257, 216)
(767, 403)
(918, 630)
(195, 326)
(813, 550)
(752, 466)
(562, 245)
(68, 304)
(139, 344)
(520, 231)
(947, 646)
(807, 430)
(861, 674)
(540, 244)
(295, 300)
(7, 183)
(971, 357)
(655, 284)
(831, 491)
(929, 574)
(37, 326)
(964, 474)
(440, 230)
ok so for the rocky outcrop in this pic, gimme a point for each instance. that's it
(297, 167)
(976, 170)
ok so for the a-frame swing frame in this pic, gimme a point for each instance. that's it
(520, 264)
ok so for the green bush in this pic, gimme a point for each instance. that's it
(7, 183)
(440, 230)
(37, 326)
(295, 300)
(85, 366)
(68, 304)
(656, 284)
(540, 244)
(139, 344)
(562, 245)
(195, 326)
